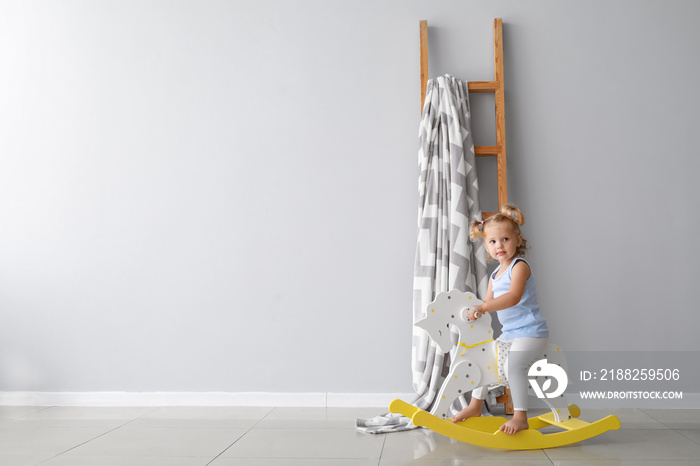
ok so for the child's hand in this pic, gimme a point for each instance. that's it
(474, 312)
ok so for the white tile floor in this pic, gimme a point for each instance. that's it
(179, 436)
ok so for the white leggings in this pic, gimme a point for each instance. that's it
(522, 351)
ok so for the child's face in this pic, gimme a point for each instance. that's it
(501, 241)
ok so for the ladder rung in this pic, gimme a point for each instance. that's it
(483, 86)
(487, 151)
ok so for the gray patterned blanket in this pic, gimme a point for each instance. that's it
(445, 258)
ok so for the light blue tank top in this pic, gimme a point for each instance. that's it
(523, 319)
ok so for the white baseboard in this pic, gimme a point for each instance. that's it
(319, 399)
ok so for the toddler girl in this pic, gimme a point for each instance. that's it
(511, 293)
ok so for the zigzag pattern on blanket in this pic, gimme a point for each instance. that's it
(448, 200)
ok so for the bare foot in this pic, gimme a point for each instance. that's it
(515, 425)
(469, 411)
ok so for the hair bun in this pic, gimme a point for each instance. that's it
(513, 213)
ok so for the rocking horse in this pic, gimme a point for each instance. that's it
(480, 362)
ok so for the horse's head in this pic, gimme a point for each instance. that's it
(450, 308)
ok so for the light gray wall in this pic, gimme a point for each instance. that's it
(221, 195)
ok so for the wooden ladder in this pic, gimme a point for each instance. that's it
(499, 150)
(480, 87)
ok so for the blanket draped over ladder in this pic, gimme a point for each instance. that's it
(445, 258)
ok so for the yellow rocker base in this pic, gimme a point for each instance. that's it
(483, 431)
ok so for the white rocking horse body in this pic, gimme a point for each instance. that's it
(476, 363)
